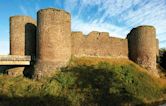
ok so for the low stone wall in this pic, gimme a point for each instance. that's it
(98, 44)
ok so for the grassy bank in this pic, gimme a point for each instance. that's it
(85, 82)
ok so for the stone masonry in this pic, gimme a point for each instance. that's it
(53, 43)
(22, 35)
(142, 46)
(53, 40)
(98, 44)
(22, 40)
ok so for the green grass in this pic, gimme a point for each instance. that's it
(104, 83)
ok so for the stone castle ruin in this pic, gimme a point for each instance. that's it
(51, 43)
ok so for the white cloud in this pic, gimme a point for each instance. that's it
(24, 10)
(87, 27)
(70, 5)
(130, 12)
(37, 7)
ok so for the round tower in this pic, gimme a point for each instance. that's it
(53, 41)
(22, 36)
(142, 46)
(22, 40)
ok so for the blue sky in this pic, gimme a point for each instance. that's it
(117, 17)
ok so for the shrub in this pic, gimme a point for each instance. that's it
(162, 58)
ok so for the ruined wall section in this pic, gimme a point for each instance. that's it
(22, 36)
(98, 44)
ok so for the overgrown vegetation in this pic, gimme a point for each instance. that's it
(85, 82)
(162, 58)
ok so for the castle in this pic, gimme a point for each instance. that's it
(51, 44)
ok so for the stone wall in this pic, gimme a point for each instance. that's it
(22, 35)
(157, 47)
(53, 40)
(53, 44)
(22, 42)
(98, 44)
(142, 46)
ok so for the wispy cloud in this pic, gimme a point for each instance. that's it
(37, 7)
(24, 10)
(87, 27)
(119, 16)
(70, 5)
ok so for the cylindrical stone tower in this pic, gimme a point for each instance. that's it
(22, 40)
(53, 41)
(22, 36)
(142, 46)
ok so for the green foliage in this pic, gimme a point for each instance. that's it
(133, 82)
(162, 58)
(65, 80)
(102, 84)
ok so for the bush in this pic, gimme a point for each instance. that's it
(162, 58)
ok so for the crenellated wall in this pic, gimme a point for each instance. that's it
(98, 44)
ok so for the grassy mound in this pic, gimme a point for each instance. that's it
(85, 82)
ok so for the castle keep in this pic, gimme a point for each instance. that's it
(51, 43)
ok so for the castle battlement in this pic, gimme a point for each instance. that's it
(98, 44)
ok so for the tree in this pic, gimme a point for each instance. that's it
(162, 58)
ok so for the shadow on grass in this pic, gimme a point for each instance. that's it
(29, 71)
(34, 101)
(162, 59)
(4, 68)
(101, 87)
(98, 85)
